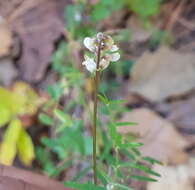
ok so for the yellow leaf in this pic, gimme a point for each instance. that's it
(8, 146)
(4, 117)
(29, 99)
(25, 148)
(7, 153)
(20, 101)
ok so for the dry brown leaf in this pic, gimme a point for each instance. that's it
(162, 74)
(38, 25)
(5, 38)
(7, 71)
(9, 6)
(182, 115)
(159, 136)
(16, 179)
(179, 177)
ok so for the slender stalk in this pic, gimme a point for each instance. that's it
(97, 78)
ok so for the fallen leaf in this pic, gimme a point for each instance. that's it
(157, 76)
(25, 148)
(8, 146)
(182, 115)
(18, 179)
(7, 71)
(21, 100)
(174, 177)
(38, 25)
(161, 140)
(5, 38)
(9, 7)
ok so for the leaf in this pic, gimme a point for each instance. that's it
(70, 14)
(8, 146)
(125, 123)
(87, 186)
(20, 101)
(151, 82)
(45, 119)
(8, 105)
(38, 49)
(152, 160)
(5, 38)
(5, 116)
(103, 99)
(144, 8)
(145, 169)
(25, 148)
(131, 145)
(118, 101)
(27, 98)
(63, 117)
(142, 178)
(124, 187)
(157, 134)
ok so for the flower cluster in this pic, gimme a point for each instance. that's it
(101, 45)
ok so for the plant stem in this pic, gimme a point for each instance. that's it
(97, 77)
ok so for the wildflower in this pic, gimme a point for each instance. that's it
(108, 51)
(90, 44)
(90, 64)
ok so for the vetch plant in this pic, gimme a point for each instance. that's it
(104, 51)
(118, 155)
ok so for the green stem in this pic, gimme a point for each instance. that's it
(97, 77)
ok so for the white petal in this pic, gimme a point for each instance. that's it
(114, 48)
(115, 57)
(90, 64)
(89, 43)
(104, 63)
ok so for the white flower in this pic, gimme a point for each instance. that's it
(90, 64)
(108, 51)
(104, 63)
(89, 43)
(114, 48)
(114, 57)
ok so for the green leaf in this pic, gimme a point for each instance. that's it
(103, 99)
(61, 168)
(145, 169)
(136, 151)
(118, 124)
(152, 160)
(64, 118)
(103, 177)
(45, 119)
(143, 178)
(122, 186)
(87, 186)
(70, 14)
(132, 145)
(144, 8)
(118, 101)
(128, 154)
